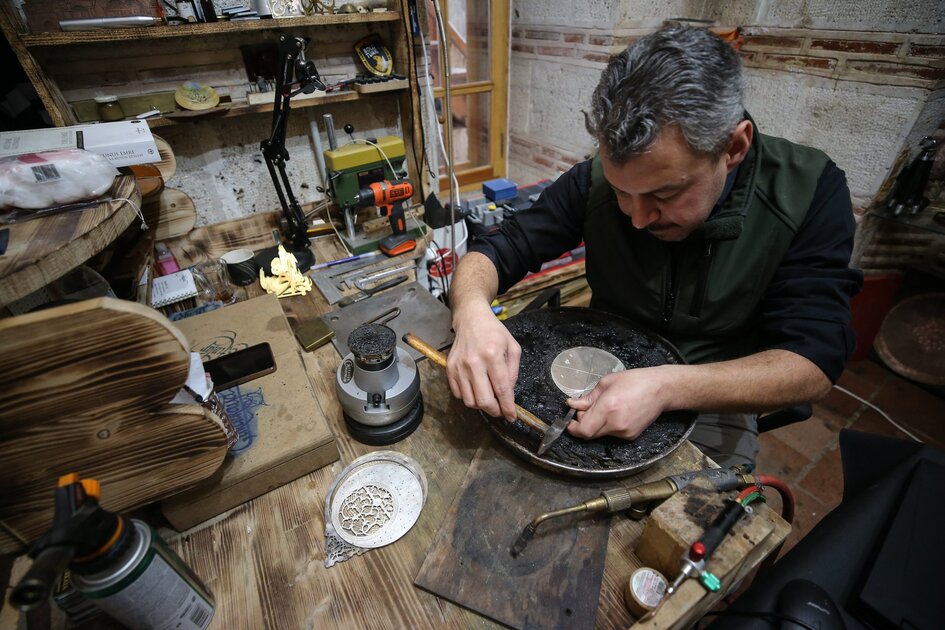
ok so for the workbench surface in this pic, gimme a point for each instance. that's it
(264, 561)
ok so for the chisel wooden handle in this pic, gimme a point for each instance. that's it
(439, 358)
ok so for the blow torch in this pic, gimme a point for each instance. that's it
(389, 197)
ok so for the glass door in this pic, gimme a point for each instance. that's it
(478, 35)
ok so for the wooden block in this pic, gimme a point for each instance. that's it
(173, 211)
(84, 389)
(751, 540)
(681, 520)
(284, 433)
(384, 86)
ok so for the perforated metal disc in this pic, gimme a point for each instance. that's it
(577, 370)
(376, 499)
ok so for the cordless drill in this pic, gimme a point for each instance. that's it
(389, 197)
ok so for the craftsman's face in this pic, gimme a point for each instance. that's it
(671, 190)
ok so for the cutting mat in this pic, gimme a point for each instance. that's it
(554, 583)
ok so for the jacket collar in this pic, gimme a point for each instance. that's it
(727, 221)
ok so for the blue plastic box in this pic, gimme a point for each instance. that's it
(499, 189)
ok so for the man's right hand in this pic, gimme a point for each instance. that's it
(482, 366)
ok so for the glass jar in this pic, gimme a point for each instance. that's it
(109, 109)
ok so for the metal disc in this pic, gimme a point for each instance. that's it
(376, 499)
(577, 370)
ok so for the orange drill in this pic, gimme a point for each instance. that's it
(389, 197)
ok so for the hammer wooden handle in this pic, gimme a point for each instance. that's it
(439, 358)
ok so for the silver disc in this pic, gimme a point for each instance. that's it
(376, 499)
(577, 370)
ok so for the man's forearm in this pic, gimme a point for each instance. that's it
(476, 281)
(766, 381)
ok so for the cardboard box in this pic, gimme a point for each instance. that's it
(284, 433)
(123, 143)
(43, 15)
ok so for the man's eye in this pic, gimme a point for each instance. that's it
(666, 196)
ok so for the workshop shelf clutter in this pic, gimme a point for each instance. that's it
(69, 69)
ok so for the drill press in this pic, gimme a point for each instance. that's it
(389, 197)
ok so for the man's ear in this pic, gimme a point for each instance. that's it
(738, 144)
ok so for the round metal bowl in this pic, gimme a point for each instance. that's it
(545, 333)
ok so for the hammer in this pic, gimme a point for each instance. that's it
(439, 358)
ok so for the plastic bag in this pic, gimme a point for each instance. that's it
(52, 178)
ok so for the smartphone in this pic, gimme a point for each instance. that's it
(240, 366)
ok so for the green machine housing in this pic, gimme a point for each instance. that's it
(356, 166)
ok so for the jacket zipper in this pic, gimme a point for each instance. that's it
(669, 288)
(699, 296)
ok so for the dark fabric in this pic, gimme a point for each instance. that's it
(804, 307)
(839, 553)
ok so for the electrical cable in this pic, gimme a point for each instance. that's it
(332, 224)
(412, 59)
(380, 150)
(880, 412)
(137, 208)
(449, 167)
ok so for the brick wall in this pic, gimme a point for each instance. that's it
(863, 85)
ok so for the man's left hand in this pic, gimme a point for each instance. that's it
(622, 404)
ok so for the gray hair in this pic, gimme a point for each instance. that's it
(683, 76)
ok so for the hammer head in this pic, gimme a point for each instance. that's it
(555, 431)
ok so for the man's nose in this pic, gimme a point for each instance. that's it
(641, 210)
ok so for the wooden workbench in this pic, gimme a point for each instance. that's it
(264, 561)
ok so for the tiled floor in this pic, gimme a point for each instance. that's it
(807, 456)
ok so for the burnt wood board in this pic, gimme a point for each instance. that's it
(554, 583)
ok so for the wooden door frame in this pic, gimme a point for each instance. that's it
(498, 88)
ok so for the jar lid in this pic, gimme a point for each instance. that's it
(106, 99)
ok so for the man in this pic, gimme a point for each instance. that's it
(733, 245)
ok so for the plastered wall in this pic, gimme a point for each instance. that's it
(221, 167)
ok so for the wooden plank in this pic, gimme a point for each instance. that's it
(84, 388)
(203, 30)
(240, 109)
(137, 457)
(212, 241)
(49, 93)
(74, 359)
(554, 583)
(47, 248)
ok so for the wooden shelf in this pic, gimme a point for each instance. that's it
(46, 248)
(186, 30)
(241, 109)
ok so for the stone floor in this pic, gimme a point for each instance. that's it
(807, 456)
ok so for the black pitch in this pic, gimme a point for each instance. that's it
(372, 341)
(545, 333)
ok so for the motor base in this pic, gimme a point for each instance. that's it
(388, 433)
